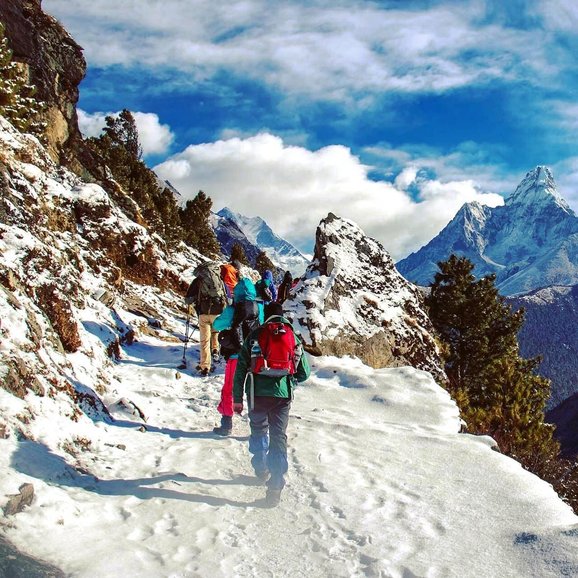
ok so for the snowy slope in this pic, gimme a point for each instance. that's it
(380, 484)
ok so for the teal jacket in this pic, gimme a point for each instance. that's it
(266, 386)
(244, 291)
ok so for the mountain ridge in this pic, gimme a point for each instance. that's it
(258, 234)
(529, 242)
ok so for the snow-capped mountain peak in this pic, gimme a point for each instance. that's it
(529, 242)
(538, 191)
(259, 234)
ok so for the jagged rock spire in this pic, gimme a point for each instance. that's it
(352, 301)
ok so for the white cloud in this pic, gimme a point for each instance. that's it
(154, 137)
(406, 178)
(308, 48)
(293, 188)
(91, 124)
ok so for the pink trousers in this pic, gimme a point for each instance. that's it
(225, 406)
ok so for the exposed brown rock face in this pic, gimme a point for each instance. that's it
(352, 301)
(55, 66)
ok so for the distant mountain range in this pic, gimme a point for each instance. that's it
(551, 330)
(255, 235)
(530, 242)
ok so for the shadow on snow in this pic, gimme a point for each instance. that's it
(36, 460)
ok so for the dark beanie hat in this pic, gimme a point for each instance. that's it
(273, 308)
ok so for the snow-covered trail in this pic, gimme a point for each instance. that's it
(380, 484)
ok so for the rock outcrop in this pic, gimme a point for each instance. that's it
(54, 64)
(352, 301)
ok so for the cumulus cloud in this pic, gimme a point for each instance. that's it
(292, 188)
(154, 137)
(91, 124)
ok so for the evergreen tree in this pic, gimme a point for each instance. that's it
(122, 132)
(119, 148)
(196, 223)
(497, 390)
(17, 102)
(263, 263)
(238, 254)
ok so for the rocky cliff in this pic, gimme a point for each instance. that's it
(67, 250)
(54, 64)
(352, 301)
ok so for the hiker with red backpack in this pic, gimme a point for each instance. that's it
(270, 364)
(207, 295)
(234, 325)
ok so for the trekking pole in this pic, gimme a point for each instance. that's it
(183, 364)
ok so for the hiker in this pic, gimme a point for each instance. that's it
(234, 325)
(285, 287)
(268, 382)
(266, 290)
(230, 274)
(208, 296)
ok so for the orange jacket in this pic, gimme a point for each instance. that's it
(230, 277)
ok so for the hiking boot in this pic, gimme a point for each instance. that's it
(203, 372)
(216, 356)
(222, 431)
(198, 368)
(273, 497)
(226, 427)
(263, 475)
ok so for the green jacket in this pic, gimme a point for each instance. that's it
(265, 386)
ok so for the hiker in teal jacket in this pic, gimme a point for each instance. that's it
(268, 410)
(233, 325)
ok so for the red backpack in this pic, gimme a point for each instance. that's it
(275, 352)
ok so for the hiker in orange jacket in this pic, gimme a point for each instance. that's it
(230, 276)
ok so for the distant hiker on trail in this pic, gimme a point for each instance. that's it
(230, 273)
(208, 296)
(266, 290)
(234, 325)
(285, 287)
(270, 363)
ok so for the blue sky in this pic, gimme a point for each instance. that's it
(390, 113)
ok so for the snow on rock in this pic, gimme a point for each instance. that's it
(352, 301)
(71, 272)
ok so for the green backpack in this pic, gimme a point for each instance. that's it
(211, 298)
